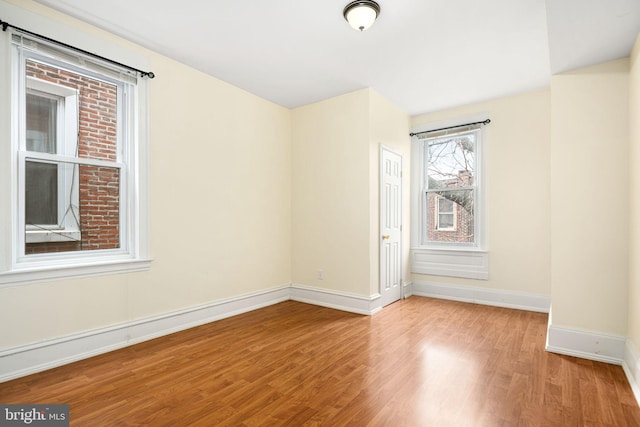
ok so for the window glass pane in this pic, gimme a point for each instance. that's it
(98, 120)
(97, 110)
(454, 226)
(445, 205)
(445, 221)
(41, 123)
(41, 198)
(86, 200)
(100, 207)
(451, 161)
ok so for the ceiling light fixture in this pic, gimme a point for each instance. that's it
(361, 14)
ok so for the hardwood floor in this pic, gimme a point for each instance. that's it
(419, 362)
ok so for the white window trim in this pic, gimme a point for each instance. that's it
(449, 259)
(82, 264)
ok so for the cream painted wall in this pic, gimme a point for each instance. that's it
(220, 208)
(517, 154)
(589, 198)
(335, 189)
(331, 194)
(634, 199)
(390, 127)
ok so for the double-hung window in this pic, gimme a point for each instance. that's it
(448, 218)
(78, 167)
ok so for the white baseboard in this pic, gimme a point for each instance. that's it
(28, 359)
(586, 344)
(631, 366)
(338, 300)
(494, 297)
(407, 289)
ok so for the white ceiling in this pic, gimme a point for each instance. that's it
(423, 55)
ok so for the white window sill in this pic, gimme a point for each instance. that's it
(50, 236)
(470, 263)
(26, 275)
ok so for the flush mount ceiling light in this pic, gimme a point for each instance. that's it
(361, 14)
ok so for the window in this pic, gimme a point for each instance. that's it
(50, 188)
(445, 214)
(79, 146)
(447, 202)
(450, 188)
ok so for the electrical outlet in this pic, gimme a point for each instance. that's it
(320, 275)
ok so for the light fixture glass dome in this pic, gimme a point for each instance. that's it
(361, 14)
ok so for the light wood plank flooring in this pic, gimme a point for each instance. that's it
(419, 362)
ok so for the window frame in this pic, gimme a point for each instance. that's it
(133, 254)
(465, 260)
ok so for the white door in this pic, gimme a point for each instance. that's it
(390, 225)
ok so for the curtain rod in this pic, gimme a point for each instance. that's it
(6, 25)
(486, 122)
